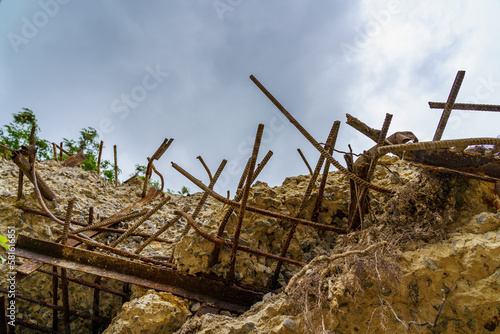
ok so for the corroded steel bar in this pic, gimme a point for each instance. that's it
(69, 211)
(156, 156)
(432, 145)
(95, 306)
(31, 138)
(254, 209)
(466, 106)
(371, 133)
(91, 215)
(206, 167)
(229, 244)
(99, 158)
(204, 290)
(65, 301)
(27, 324)
(449, 105)
(55, 151)
(140, 221)
(20, 185)
(385, 129)
(25, 167)
(244, 198)
(116, 165)
(309, 188)
(237, 197)
(330, 146)
(55, 323)
(305, 161)
(110, 221)
(60, 151)
(313, 141)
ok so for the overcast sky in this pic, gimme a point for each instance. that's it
(143, 71)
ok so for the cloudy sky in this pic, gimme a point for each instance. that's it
(140, 72)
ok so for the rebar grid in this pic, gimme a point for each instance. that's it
(303, 203)
(330, 146)
(244, 198)
(313, 141)
(255, 209)
(229, 244)
(140, 221)
(237, 197)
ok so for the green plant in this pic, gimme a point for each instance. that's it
(140, 170)
(88, 142)
(4, 243)
(17, 133)
(184, 191)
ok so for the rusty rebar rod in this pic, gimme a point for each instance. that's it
(25, 167)
(237, 197)
(140, 221)
(255, 209)
(55, 151)
(91, 215)
(466, 106)
(313, 141)
(330, 146)
(95, 306)
(55, 319)
(161, 177)
(109, 221)
(229, 244)
(99, 158)
(156, 156)
(69, 211)
(449, 105)
(31, 138)
(116, 165)
(65, 301)
(61, 151)
(432, 145)
(303, 203)
(20, 185)
(244, 198)
(206, 167)
(305, 161)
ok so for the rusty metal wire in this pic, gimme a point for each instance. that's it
(432, 145)
(255, 209)
(229, 244)
(313, 141)
(140, 221)
(449, 105)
